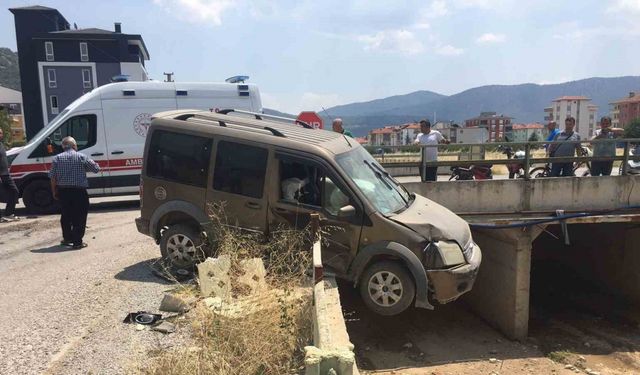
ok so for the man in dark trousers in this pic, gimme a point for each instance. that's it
(9, 187)
(69, 185)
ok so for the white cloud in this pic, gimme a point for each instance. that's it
(203, 11)
(488, 38)
(449, 50)
(476, 3)
(402, 41)
(632, 6)
(437, 8)
(422, 26)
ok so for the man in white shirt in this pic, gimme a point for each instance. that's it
(429, 137)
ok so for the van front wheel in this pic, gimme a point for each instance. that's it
(38, 199)
(387, 288)
(182, 246)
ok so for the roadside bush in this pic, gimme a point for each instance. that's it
(270, 330)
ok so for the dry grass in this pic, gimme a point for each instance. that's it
(269, 342)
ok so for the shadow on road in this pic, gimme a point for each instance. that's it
(111, 205)
(53, 249)
(142, 272)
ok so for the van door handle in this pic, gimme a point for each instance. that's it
(117, 152)
(281, 210)
(97, 154)
(252, 205)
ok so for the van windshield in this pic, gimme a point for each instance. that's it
(384, 192)
(53, 123)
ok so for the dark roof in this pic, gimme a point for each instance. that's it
(91, 30)
(33, 7)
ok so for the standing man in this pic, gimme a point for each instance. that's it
(553, 131)
(429, 137)
(569, 149)
(337, 127)
(9, 187)
(69, 185)
(603, 168)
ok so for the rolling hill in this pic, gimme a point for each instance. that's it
(524, 102)
(9, 73)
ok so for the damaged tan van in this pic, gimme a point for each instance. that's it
(397, 247)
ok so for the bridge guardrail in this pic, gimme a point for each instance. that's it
(527, 147)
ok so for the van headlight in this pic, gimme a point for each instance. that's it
(443, 254)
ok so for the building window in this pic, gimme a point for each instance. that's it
(86, 78)
(53, 102)
(51, 76)
(48, 49)
(84, 52)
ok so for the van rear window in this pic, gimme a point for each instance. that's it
(177, 157)
(240, 169)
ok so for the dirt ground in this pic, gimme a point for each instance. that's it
(452, 340)
(62, 309)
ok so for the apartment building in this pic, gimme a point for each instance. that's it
(625, 110)
(578, 107)
(11, 101)
(494, 123)
(525, 132)
(59, 64)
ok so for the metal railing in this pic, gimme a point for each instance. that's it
(528, 161)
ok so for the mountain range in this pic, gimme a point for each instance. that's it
(524, 102)
(9, 73)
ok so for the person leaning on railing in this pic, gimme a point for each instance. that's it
(603, 168)
(568, 149)
(429, 137)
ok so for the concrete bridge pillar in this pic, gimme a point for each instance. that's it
(501, 292)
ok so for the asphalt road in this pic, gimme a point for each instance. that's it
(62, 309)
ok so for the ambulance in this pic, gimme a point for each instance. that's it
(110, 124)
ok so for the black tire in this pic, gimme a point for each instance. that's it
(385, 274)
(182, 246)
(38, 199)
(539, 172)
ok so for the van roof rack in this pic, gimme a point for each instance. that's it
(260, 116)
(235, 122)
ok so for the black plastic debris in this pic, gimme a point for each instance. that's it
(142, 317)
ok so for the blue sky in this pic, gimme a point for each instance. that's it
(307, 54)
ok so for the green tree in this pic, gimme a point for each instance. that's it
(5, 125)
(633, 129)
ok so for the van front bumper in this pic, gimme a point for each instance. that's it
(143, 226)
(449, 284)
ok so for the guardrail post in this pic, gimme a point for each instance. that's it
(527, 161)
(625, 161)
(423, 162)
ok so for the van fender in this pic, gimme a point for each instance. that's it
(176, 206)
(395, 250)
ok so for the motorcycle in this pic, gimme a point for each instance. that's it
(633, 167)
(516, 169)
(474, 172)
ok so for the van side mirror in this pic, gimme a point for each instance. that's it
(346, 212)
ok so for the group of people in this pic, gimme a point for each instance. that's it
(571, 146)
(68, 175)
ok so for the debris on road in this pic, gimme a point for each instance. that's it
(142, 317)
(164, 327)
(176, 304)
(214, 277)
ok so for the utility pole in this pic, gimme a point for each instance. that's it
(168, 77)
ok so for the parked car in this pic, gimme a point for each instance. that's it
(397, 247)
(110, 124)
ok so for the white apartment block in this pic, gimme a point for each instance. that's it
(578, 107)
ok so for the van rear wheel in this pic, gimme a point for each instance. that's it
(38, 199)
(182, 246)
(387, 288)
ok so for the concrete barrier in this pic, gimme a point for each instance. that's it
(541, 194)
(332, 351)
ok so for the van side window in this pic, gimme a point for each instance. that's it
(178, 157)
(240, 169)
(300, 183)
(82, 128)
(333, 197)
